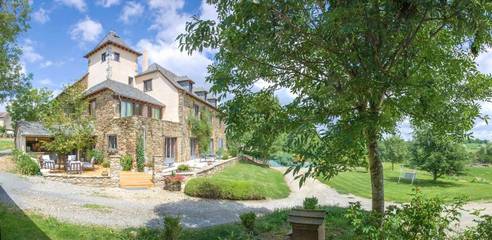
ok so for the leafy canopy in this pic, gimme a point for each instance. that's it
(30, 104)
(394, 150)
(14, 16)
(201, 130)
(356, 69)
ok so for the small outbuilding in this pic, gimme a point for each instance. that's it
(30, 135)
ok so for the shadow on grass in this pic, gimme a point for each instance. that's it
(14, 223)
(424, 182)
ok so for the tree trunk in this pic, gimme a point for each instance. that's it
(434, 176)
(376, 171)
(392, 166)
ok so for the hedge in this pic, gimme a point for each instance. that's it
(223, 189)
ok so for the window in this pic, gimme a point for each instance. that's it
(196, 109)
(137, 109)
(92, 108)
(148, 85)
(130, 81)
(112, 142)
(126, 109)
(156, 113)
(116, 56)
(211, 150)
(221, 143)
(170, 148)
(103, 57)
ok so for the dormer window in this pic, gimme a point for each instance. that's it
(148, 85)
(130, 81)
(116, 56)
(103, 57)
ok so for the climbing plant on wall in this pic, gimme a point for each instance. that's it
(140, 154)
(201, 130)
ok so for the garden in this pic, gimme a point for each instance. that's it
(6, 143)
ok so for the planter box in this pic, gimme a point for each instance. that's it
(307, 224)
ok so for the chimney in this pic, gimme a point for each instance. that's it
(145, 61)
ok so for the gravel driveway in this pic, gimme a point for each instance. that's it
(133, 208)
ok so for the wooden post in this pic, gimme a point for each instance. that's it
(307, 224)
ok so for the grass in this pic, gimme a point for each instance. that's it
(15, 224)
(6, 143)
(97, 207)
(240, 181)
(448, 187)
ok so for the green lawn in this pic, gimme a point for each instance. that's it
(6, 143)
(240, 181)
(17, 225)
(448, 187)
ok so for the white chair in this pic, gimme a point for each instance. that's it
(48, 163)
(72, 158)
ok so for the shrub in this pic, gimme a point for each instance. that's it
(310, 203)
(16, 153)
(183, 168)
(96, 154)
(140, 154)
(223, 189)
(420, 219)
(172, 228)
(248, 221)
(225, 155)
(283, 158)
(483, 229)
(106, 163)
(126, 162)
(26, 166)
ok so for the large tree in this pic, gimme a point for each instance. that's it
(438, 155)
(30, 104)
(14, 15)
(393, 149)
(357, 69)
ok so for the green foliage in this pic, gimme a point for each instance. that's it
(14, 17)
(96, 154)
(106, 163)
(140, 154)
(437, 155)
(70, 127)
(483, 229)
(394, 150)
(24, 164)
(310, 203)
(30, 104)
(356, 70)
(183, 168)
(225, 155)
(484, 154)
(126, 162)
(254, 124)
(283, 158)
(172, 228)
(201, 129)
(214, 189)
(422, 218)
(248, 221)
(220, 153)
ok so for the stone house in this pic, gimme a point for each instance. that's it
(154, 103)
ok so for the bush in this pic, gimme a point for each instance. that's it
(420, 219)
(26, 165)
(140, 154)
(172, 228)
(126, 162)
(483, 229)
(106, 164)
(183, 168)
(310, 203)
(248, 221)
(97, 155)
(225, 155)
(283, 158)
(223, 189)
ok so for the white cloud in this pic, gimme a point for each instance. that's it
(86, 30)
(46, 82)
(46, 64)
(107, 3)
(78, 4)
(131, 10)
(29, 53)
(168, 21)
(41, 16)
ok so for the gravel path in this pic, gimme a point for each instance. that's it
(132, 208)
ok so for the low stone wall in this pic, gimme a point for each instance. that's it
(93, 181)
(218, 167)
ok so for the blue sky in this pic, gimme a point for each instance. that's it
(62, 31)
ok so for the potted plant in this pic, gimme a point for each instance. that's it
(173, 182)
(183, 168)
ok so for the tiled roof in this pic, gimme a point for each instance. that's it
(173, 78)
(113, 38)
(32, 129)
(123, 90)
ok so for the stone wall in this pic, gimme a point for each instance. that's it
(217, 168)
(94, 181)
